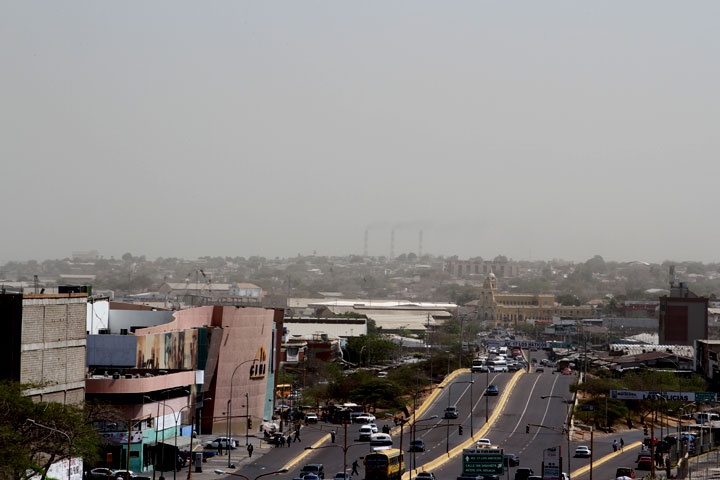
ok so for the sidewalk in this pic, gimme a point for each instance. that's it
(216, 467)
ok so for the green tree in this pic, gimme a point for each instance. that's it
(27, 448)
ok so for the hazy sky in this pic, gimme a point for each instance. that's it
(535, 130)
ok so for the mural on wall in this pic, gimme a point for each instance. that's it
(171, 350)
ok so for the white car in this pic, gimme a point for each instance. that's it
(583, 451)
(365, 418)
(311, 418)
(373, 427)
(483, 443)
(223, 442)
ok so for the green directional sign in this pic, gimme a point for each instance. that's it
(482, 461)
(705, 397)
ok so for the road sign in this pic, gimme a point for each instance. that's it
(483, 461)
(705, 397)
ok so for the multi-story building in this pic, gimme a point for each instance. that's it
(480, 267)
(44, 344)
(505, 309)
(683, 316)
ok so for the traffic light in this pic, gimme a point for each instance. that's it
(460, 430)
(527, 428)
(249, 423)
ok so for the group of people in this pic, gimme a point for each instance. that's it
(617, 445)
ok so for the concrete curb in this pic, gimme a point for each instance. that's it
(586, 468)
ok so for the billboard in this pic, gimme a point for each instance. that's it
(657, 395)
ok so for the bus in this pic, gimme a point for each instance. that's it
(384, 465)
(283, 390)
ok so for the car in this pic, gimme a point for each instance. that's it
(417, 446)
(644, 462)
(483, 443)
(425, 476)
(365, 433)
(511, 460)
(625, 472)
(564, 476)
(128, 474)
(492, 390)
(364, 418)
(451, 412)
(382, 374)
(540, 370)
(310, 476)
(373, 427)
(342, 476)
(523, 473)
(313, 469)
(102, 473)
(566, 371)
(535, 477)
(311, 418)
(223, 442)
(583, 451)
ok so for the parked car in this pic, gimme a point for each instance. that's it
(417, 446)
(492, 390)
(314, 469)
(523, 473)
(425, 476)
(223, 442)
(511, 460)
(311, 418)
(583, 451)
(451, 412)
(625, 472)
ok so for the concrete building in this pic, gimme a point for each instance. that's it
(44, 344)
(683, 316)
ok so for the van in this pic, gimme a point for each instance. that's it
(704, 417)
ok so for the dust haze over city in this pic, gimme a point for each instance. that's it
(533, 130)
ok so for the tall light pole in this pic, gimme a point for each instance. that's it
(487, 400)
(176, 421)
(69, 439)
(566, 426)
(344, 447)
(414, 430)
(229, 407)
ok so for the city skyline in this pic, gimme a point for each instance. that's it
(531, 130)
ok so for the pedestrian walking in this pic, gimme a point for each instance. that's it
(220, 449)
(332, 436)
(289, 441)
(354, 468)
(615, 445)
(622, 444)
(250, 449)
(297, 436)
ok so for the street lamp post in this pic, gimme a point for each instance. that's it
(447, 430)
(487, 400)
(344, 448)
(69, 439)
(566, 426)
(414, 430)
(228, 413)
(176, 420)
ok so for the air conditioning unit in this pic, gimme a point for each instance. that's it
(104, 331)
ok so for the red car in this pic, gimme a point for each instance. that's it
(566, 371)
(644, 462)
